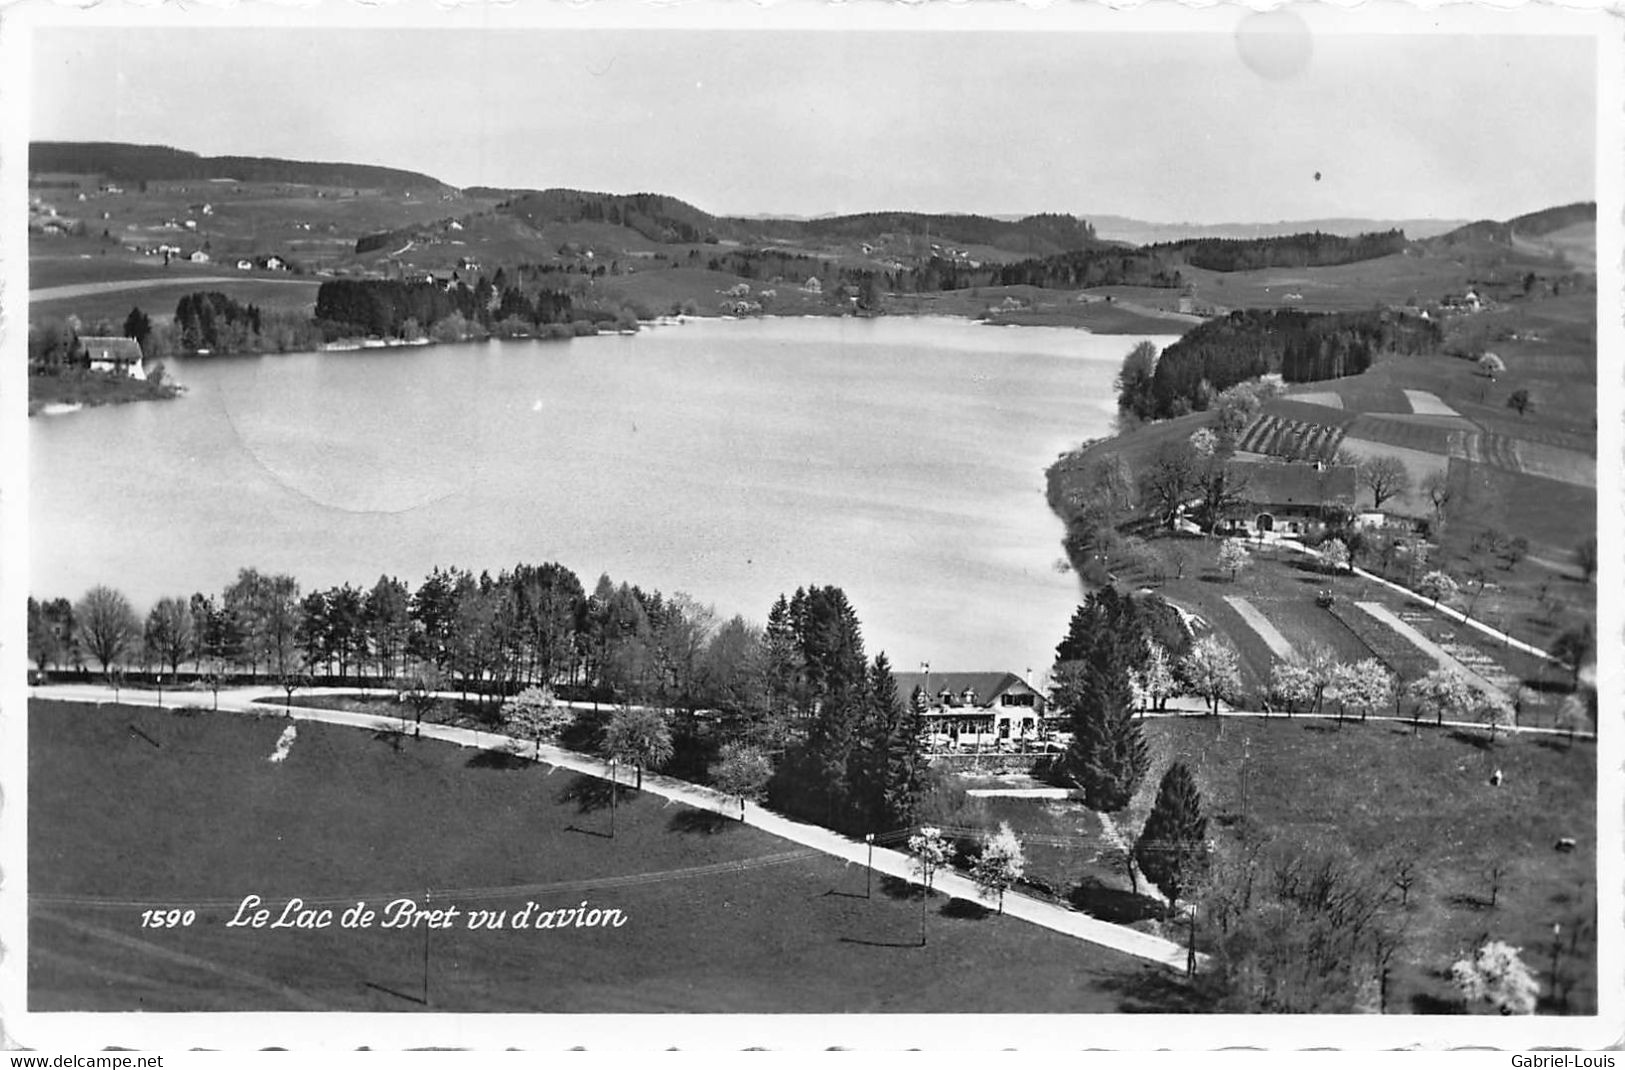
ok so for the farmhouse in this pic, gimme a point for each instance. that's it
(115, 355)
(1286, 498)
(975, 707)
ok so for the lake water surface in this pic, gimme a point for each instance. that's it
(901, 459)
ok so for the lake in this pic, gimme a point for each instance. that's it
(900, 459)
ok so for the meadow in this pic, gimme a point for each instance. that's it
(1380, 791)
(139, 808)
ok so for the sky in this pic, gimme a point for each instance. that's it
(1169, 127)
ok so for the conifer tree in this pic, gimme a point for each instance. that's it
(903, 748)
(1109, 758)
(1172, 848)
(1095, 664)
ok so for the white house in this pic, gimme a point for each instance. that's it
(976, 708)
(115, 355)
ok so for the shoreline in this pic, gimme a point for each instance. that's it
(353, 345)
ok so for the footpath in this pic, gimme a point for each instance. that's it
(887, 861)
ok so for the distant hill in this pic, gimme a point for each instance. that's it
(1531, 225)
(1140, 232)
(667, 219)
(1035, 235)
(657, 217)
(159, 163)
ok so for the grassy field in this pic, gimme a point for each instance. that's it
(1380, 791)
(138, 808)
(1048, 308)
(92, 388)
(159, 301)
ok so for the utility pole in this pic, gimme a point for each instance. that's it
(426, 897)
(614, 789)
(869, 880)
(1190, 954)
(1557, 949)
(1246, 755)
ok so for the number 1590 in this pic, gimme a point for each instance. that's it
(167, 919)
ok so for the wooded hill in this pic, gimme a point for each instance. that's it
(1288, 250)
(154, 163)
(1532, 224)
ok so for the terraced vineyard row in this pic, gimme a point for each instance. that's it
(1292, 439)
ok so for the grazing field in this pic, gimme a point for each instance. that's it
(1420, 463)
(1413, 433)
(1090, 310)
(158, 298)
(137, 808)
(1381, 791)
(1389, 280)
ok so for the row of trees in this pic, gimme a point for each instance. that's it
(402, 309)
(532, 624)
(800, 716)
(800, 694)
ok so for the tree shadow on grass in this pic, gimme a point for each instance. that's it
(1428, 1003)
(395, 992)
(964, 909)
(1469, 902)
(389, 732)
(706, 822)
(498, 759)
(1156, 990)
(1320, 726)
(1113, 905)
(590, 794)
(898, 888)
(1560, 744)
(1472, 739)
(879, 943)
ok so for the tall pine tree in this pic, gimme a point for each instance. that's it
(903, 748)
(1108, 757)
(1172, 848)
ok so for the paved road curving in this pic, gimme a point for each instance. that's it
(892, 863)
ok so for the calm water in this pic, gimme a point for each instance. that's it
(901, 459)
